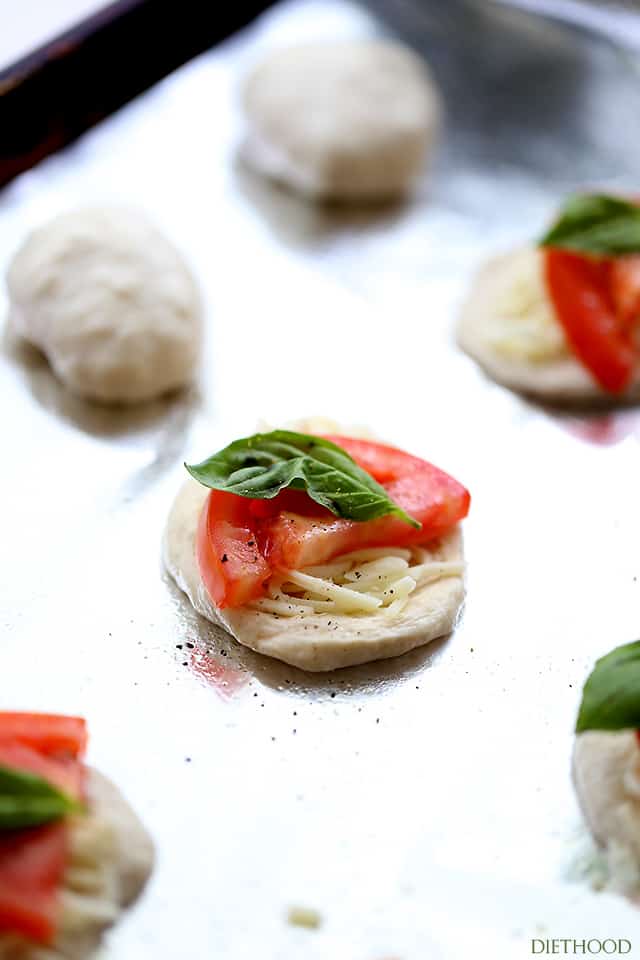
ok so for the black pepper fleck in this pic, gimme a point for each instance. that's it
(225, 558)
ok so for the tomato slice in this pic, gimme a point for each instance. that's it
(422, 490)
(231, 564)
(65, 773)
(32, 864)
(49, 734)
(624, 280)
(241, 542)
(33, 861)
(580, 293)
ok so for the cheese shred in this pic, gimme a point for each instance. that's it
(363, 582)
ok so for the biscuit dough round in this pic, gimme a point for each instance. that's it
(110, 302)
(341, 120)
(316, 642)
(111, 859)
(561, 379)
(606, 775)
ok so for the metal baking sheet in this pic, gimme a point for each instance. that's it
(422, 805)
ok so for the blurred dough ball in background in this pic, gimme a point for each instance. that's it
(348, 120)
(110, 302)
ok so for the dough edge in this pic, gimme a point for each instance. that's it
(564, 381)
(601, 762)
(431, 612)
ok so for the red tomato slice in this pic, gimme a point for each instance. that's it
(425, 492)
(32, 865)
(230, 562)
(65, 773)
(624, 280)
(47, 733)
(259, 536)
(33, 861)
(579, 290)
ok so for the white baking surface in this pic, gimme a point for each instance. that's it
(423, 805)
(27, 24)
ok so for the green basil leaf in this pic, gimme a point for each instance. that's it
(611, 696)
(264, 464)
(596, 224)
(27, 800)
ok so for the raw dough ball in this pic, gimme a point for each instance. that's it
(508, 326)
(316, 642)
(606, 774)
(110, 302)
(345, 120)
(111, 858)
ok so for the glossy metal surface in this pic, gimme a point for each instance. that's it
(422, 805)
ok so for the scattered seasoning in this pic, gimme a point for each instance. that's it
(251, 543)
(305, 917)
(187, 759)
(185, 663)
(178, 646)
(191, 646)
(223, 653)
(225, 558)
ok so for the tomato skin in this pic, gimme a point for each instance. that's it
(32, 865)
(229, 559)
(290, 530)
(579, 290)
(49, 734)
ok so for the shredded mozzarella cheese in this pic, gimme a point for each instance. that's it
(523, 324)
(365, 581)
